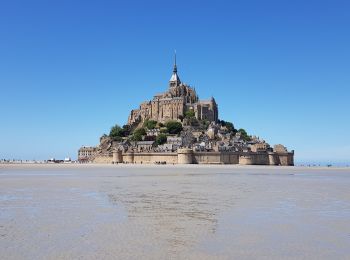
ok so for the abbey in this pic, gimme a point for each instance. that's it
(176, 127)
(174, 103)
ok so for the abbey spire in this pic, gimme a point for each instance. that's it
(175, 67)
(175, 79)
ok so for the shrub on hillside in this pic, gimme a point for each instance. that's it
(161, 139)
(173, 127)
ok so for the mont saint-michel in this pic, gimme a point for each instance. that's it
(177, 127)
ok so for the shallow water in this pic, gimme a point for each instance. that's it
(177, 212)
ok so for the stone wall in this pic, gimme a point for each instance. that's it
(188, 156)
(286, 158)
(185, 156)
(230, 158)
(117, 156)
(273, 158)
(103, 159)
(246, 159)
(147, 158)
(215, 158)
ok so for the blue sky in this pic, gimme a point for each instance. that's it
(69, 70)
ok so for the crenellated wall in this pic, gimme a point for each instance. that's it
(254, 159)
(169, 158)
(215, 158)
(188, 156)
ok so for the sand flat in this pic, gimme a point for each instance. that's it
(174, 212)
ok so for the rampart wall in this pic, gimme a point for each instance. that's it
(188, 156)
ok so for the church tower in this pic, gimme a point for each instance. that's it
(175, 79)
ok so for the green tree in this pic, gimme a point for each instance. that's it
(136, 137)
(116, 133)
(173, 127)
(150, 124)
(161, 139)
(138, 133)
(164, 130)
(126, 130)
(230, 127)
(190, 114)
(244, 134)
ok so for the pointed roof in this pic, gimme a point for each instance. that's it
(174, 76)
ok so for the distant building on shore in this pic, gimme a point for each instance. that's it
(86, 153)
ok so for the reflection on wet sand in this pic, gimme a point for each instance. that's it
(177, 212)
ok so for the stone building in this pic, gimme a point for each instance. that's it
(260, 147)
(153, 132)
(86, 153)
(144, 146)
(173, 104)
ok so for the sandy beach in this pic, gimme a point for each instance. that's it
(173, 212)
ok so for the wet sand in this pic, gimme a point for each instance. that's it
(173, 212)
